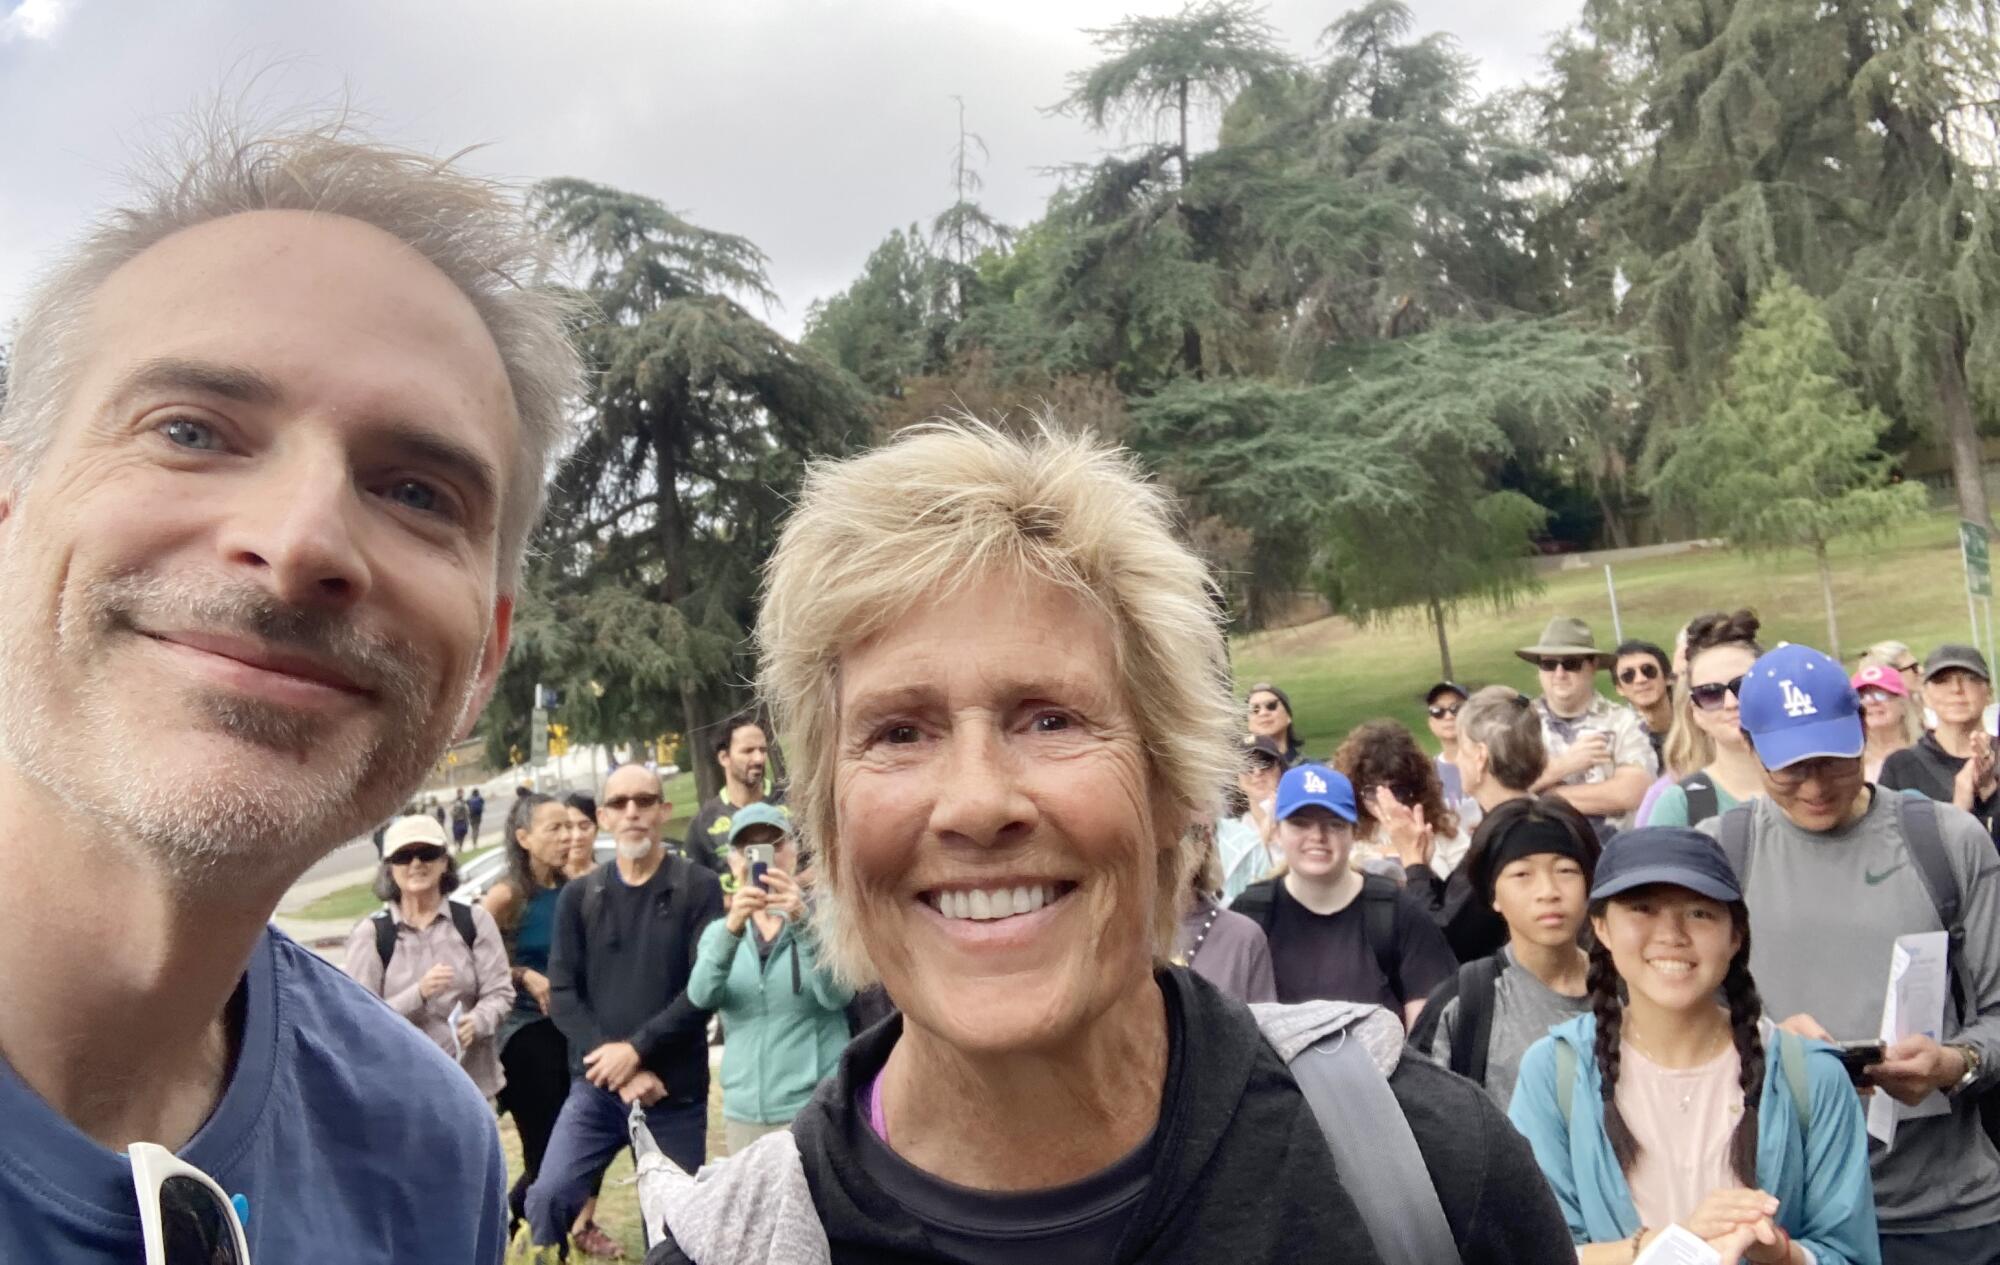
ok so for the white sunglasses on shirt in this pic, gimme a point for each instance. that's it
(185, 1217)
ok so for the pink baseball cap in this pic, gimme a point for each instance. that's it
(1881, 677)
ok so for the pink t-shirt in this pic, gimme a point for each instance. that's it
(1682, 1119)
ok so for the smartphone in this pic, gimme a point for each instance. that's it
(1857, 1057)
(759, 855)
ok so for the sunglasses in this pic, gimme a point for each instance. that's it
(642, 801)
(184, 1217)
(1709, 697)
(1876, 696)
(1569, 663)
(1271, 706)
(1639, 672)
(424, 854)
(1825, 768)
(1911, 666)
(1447, 709)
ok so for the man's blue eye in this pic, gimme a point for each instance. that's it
(415, 495)
(185, 432)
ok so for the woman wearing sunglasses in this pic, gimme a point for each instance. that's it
(1705, 736)
(1889, 716)
(1271, 717)
(1674, 1101)
(437, 963)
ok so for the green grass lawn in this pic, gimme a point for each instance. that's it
(1908, 585)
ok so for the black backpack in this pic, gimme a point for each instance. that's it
(1701, 799)
(1475, 987)
(385, 929)
(1380, 898)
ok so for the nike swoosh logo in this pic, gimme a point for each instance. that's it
(1873, 879)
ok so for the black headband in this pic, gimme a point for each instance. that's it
(1531, 838)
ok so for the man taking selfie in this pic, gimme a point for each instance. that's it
(275, 436)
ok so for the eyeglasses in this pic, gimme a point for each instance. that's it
(1825, 768)
(1639, 672)
(1449, 709)
(642, 801)
(1709, 697)
(184, 1217)
(1569, 663)
(423, 853)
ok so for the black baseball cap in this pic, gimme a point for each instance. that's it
(1264, 744)
(1949, 656)
(1673, 855)
(1444, 687)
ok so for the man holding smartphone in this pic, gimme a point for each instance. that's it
(1833, 870)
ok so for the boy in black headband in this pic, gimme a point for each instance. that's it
(1535, 870)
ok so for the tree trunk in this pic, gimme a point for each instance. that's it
(1444, 644)
(1968, 469)
(1184, 136)
(1826, 592)
(697, 755)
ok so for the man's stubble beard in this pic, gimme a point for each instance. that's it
(219, 826)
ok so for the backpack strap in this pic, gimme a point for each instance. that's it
(461, 917)
(1565, 1079)
(1924, 838)
(385, 936)
(593, 892)
(1472, 1033)
(1734, 839)
(1702, 802)
(1374, 1152)
(1379, 898)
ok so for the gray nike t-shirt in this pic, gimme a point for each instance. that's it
(1825, 911)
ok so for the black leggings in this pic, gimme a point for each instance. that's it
(536, 1061)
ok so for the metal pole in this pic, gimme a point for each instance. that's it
(1611, 587)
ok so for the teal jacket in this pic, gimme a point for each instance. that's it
(1826, 1199)
(783, 1020)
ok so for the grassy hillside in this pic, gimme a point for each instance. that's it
(1908, 585)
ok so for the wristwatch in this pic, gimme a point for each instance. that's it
(1971, 1056)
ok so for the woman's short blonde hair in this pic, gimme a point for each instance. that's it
(956, 502)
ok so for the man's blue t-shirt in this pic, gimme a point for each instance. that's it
(352, 1136)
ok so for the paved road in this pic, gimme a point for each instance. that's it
(345, 858)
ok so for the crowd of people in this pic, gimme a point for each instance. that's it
(1610, 971)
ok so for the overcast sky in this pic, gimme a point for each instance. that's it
(811, 126)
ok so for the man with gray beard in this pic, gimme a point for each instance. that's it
(276, 434)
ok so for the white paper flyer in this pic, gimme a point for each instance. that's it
(1912, 1006)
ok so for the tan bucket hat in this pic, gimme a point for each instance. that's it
(1565, 637)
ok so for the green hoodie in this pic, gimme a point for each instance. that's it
(783, 1019)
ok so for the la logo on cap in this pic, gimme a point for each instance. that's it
(1315, 784)
(1797, 701)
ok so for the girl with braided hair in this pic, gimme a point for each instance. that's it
(1674, 1101)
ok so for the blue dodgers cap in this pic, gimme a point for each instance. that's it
(1672, 855)
(1315, 784)
(1797, 704)
(759, 814)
